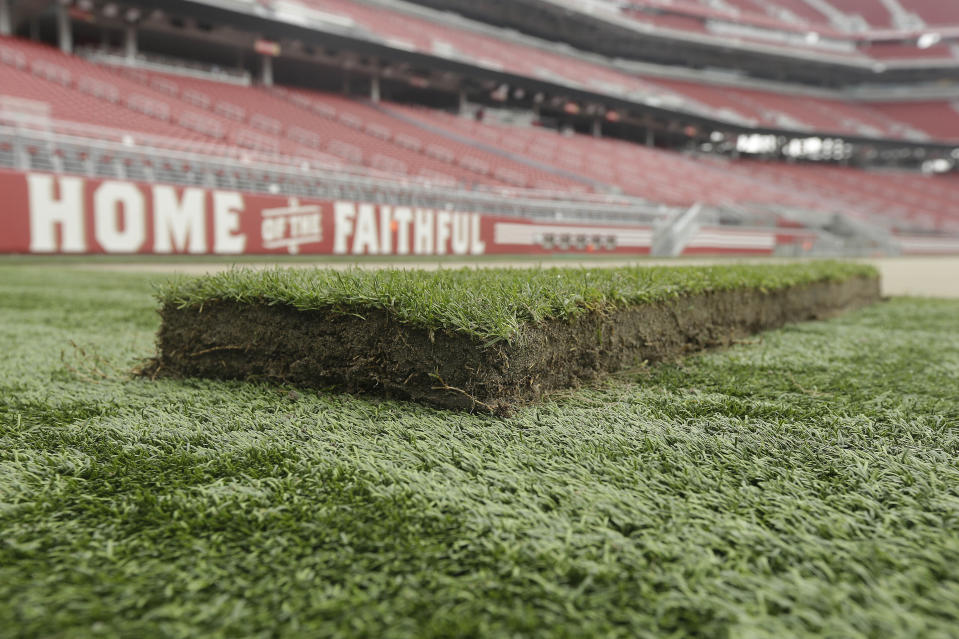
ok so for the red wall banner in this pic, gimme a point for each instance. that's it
(46, 213)
(62, 214)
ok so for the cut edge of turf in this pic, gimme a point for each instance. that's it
(375, 350)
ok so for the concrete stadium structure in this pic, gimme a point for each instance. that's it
(809, 128)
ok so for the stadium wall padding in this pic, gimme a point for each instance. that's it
(46, 213)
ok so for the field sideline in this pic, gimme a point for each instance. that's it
(802, 483)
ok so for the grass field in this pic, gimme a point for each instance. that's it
(803, 483)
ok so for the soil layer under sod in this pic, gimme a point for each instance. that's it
(377, 354)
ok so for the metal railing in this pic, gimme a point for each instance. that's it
(674, 233)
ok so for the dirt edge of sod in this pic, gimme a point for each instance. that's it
(375, 353)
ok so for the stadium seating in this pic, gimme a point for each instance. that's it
(901, 51)
(403, 141)
(752, 106)
(874, 12)
(418, 34)
(798, 8)
(394, 139)
(684, 13)
(898, 200)
(636, 170)
(939, 119)
(835, 15)
(863, 29)
(904, 201)
(79, 92)
(934, 12)
(355, 133)
(328, 129)
(799, 112)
